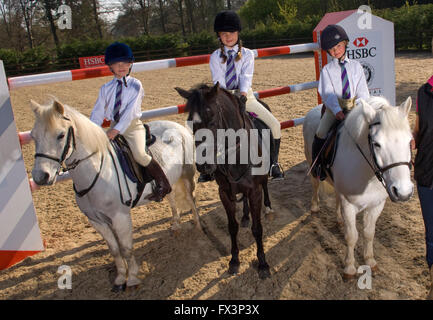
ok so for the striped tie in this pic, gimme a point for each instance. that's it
(344, 81)
(231, 71)
(118, 102)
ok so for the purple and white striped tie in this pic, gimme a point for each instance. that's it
(231, 82)
(344, 81)
(117, 102)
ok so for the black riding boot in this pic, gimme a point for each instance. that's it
(162, 185)
(317, 170)
(204, 177)
(275, 171)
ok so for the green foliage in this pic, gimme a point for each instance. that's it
(76, 48)
(31, 59)
(412, 25)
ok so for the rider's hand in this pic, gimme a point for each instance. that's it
(243, 93)
(112, 133)
(340, 115)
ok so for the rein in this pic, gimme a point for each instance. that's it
(378, 171)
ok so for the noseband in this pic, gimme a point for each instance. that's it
(378, 171)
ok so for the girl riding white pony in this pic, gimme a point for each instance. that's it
(371, 163)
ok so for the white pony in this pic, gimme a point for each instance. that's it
(63, 135)
(374, 144)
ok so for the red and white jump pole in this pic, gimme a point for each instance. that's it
(80, 74)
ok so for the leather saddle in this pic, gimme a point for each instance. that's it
(135, 172)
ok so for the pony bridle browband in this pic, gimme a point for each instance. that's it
(378, 171)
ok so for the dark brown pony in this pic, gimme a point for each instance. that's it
(215, 108)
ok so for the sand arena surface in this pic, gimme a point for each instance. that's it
(305, 252)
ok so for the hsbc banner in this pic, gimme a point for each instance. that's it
(91, 62)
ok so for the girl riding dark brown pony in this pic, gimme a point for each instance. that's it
(213, 109)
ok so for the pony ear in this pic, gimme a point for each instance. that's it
(405, 106)
(58, 106)
(367, 110)
(35, 106)
(183, 93)
(215, 89)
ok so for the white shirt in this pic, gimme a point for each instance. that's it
(244, 68)
(330, 84)
(130, 108)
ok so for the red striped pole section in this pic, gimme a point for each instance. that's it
(88, 73)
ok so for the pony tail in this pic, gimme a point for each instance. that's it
(222, 53)
(239, 54)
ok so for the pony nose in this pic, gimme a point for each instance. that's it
(41, 178)
(401, 193)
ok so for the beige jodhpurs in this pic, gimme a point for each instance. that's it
(263, 114)
(135, 135)
(329, 119)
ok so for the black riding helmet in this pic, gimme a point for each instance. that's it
(228, 21)
(118, 51)
(331, 36)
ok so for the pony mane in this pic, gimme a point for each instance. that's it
(389, 116)
(89, 133)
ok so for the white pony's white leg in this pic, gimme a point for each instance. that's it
(113, 246)
(122, 226)
(175, 226)
(351, 235)
(370, 218)
(189, 188)
(315, 197)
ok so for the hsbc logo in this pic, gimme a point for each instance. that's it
(360, 42)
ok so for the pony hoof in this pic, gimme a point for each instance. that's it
(233, 269)
(348, 277)
(264, 273)
(132, 288)
(375, 270)
(270, 216)
(119, 288)
(315, 210)
(245, 223)
(175, 232)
